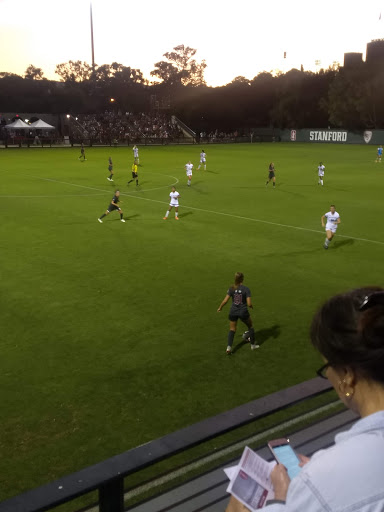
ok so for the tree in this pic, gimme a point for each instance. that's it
(33, 73)
(74, 71)
(180, 67)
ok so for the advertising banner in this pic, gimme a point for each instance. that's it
(333, 136)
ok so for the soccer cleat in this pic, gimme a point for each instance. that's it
(325, 246)
(122, 220)
(100, 221)
(176, 218)
(165, 218)
(229, 350)
(253, 347)
(246, 336)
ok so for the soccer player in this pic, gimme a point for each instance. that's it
(203, 160)
(110, 169)
(320, 172)
(82, 153)
(379, 153)
(241, 301)
(174, 195)
(333, 220)
(135, 176)
(188, 170)
(135, 150)
(113, 206)
(271, 174)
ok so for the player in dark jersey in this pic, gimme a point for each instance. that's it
(82, 152)
(112, 207)
(271, 174)
(241, 301)
(110, 169)
(135, 176)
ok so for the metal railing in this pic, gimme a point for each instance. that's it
(108, 476)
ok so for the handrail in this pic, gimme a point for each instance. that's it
(108, 476)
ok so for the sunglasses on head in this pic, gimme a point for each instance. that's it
(369, 301)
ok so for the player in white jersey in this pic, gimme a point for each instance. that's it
(203, 160)
(330, 221)
(174, 202)
(135, 150)
(320, 172)
(188, 170)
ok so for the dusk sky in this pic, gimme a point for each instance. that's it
(235, 38)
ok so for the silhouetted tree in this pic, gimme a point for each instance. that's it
(180, 68)
(33, 73)
(74, 71)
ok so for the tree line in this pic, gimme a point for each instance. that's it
(352, 98)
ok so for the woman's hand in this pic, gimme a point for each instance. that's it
(280, 481)
(303, 460)
(234, 505)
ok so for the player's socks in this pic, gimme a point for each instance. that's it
(102, 216)
(252, 335)
(121, 215)
(166, 214)
(130, 181)
(267, 183)
(274, 184)
(137, 182)
(231, 336)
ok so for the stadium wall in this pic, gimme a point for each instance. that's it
(336, 136)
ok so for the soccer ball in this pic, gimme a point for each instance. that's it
(246, 336)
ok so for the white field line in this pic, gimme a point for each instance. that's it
(56, 196)
(207, 211)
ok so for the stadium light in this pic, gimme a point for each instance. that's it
(27, 120)
(112, 100)
(68, 116)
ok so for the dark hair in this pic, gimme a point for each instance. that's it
(239, 278)
(348, 330)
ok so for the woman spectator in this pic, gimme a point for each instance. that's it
(348, 331)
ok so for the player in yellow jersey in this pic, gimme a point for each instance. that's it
(135, 176)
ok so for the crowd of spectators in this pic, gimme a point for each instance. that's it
(111, 126)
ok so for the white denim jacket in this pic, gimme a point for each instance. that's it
(348, 477)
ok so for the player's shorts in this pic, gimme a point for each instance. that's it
(331, 227)
(234, 317)
(321, 173)
(189, 174)
(271, 175)
(112, 208)
(174, 204)
(110, 168)
(134, 175)
(202, 160)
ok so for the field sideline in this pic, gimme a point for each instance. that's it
(110, 332)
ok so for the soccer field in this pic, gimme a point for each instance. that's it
(110, 332)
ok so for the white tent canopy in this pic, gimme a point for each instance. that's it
(41, 125)
(17, 125)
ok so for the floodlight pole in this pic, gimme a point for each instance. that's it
(92, 45)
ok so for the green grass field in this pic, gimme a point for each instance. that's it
(110, 335)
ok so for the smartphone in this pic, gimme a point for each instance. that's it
(285, 454)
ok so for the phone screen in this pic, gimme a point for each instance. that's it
(286, 456)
